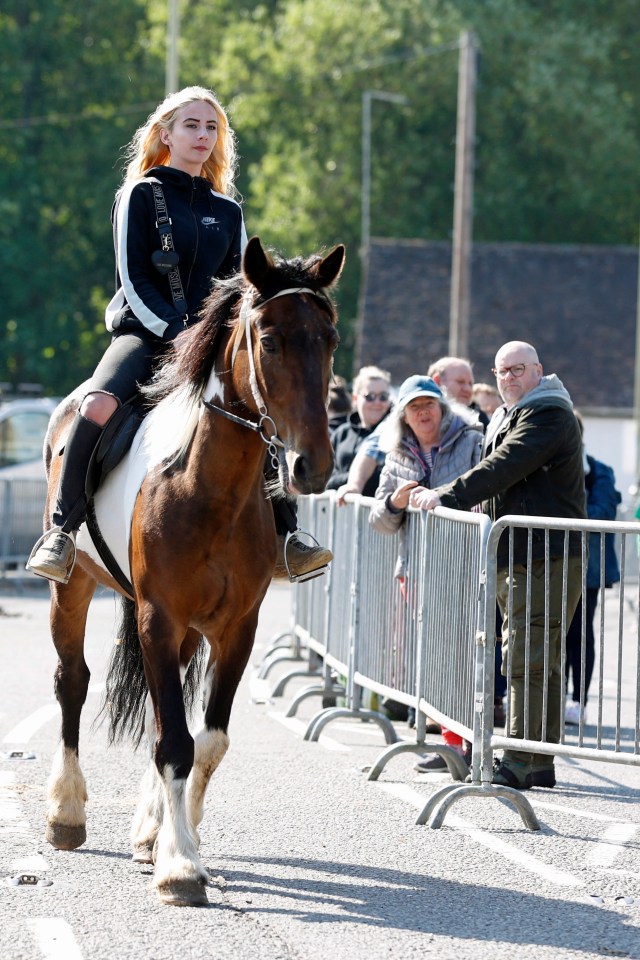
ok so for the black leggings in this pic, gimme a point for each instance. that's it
(127, 362)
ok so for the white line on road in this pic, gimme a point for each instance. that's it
(55, 938)
(526, 861)
(612, 844)
(13, 823)
(576, 811)
(26, 729)
(299, 727)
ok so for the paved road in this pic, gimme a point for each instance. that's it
(308, 859)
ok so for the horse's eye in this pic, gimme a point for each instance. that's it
(268, 344)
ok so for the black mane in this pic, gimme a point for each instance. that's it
(191, 361)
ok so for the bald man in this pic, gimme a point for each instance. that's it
(532, 465)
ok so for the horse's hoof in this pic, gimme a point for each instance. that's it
(63, 837)
(183, 893)
(142, 853)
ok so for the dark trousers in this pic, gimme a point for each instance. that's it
(573, 663)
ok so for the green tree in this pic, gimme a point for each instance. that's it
(76, 80)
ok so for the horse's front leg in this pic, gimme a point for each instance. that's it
(179, 877)
(149, 812)
(67, 792)
(212, 741)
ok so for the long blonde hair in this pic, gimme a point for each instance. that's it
(147, 150)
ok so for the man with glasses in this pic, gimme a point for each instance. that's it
(532, 465)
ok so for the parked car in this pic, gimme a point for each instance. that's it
(23, 425)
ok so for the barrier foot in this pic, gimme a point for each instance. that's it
(390, 752)
(278, 656)
(284, 639)
(438, 805)
(278, 690)
(313, 690)
(319, 722)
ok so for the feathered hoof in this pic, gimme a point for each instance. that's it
(142, 853)
(63, 837)
(183, 893)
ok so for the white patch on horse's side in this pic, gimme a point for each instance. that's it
(210, 748)
(114, 503)
(177, 855)
(163, 435)
(171, 425)
(66, 790)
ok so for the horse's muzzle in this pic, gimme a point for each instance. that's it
(310, 475)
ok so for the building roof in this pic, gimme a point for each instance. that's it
(576, 304)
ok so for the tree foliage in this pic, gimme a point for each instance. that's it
(558, 130)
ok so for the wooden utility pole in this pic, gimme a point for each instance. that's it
(463, 199)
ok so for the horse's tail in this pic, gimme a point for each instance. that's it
(126, 684)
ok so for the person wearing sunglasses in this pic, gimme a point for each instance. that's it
(533, 466)
(371, 402)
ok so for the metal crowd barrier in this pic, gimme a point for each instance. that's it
(21, 509)
(615, 736)
(429, 642)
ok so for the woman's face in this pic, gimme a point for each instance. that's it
(424, 416)
(192, 137)
(372, 411)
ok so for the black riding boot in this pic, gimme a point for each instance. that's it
(54, 555)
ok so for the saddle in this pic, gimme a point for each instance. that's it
(114, 443)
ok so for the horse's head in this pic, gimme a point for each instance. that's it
(291, 321)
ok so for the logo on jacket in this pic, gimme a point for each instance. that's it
(209, 221)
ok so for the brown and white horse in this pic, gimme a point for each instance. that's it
(249, 379)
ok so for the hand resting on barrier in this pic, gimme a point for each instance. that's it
(424, 499)
(401, 496)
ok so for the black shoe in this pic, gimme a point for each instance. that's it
(433, 763)
(543, 777)
(506, 776)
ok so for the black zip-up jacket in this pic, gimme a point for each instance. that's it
(345, 442)
(532, 466)
(208, 235)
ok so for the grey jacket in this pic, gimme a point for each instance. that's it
(460, 449)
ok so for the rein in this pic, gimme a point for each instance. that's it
(275, 445)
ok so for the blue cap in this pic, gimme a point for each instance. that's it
(417, 387)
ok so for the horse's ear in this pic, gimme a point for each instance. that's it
(329, 269)
(256, 264)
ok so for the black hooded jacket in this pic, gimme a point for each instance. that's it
(208, 235)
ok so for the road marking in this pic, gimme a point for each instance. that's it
(13, 823)
(26, 729)
(55, 938)
(526, 861)
(612, 844)
(299, 728)
(576, 811)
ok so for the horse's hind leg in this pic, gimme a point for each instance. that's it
(148, 815)
(67, 794)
